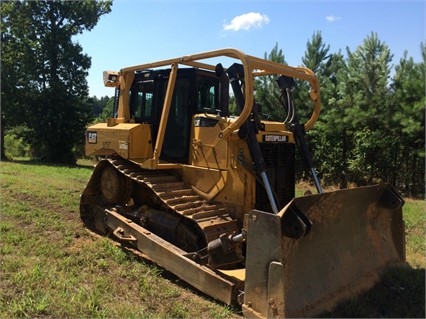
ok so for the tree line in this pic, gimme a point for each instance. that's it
(371, 127)
(372, 123)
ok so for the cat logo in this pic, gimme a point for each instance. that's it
(274, 138)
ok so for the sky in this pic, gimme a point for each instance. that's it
(142, 31)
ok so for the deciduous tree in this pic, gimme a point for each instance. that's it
(44, 72)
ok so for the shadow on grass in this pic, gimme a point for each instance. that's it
(138, 256)
(399, 294)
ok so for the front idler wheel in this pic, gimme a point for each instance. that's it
(116, 189)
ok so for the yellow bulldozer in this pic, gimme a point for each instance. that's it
(210, 196)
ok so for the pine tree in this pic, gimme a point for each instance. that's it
(267, 91)
(408, 124)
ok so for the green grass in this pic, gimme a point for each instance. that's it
(52, 267)
(415, 228)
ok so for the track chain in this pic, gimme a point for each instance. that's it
(213, 218)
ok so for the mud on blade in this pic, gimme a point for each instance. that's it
(355, 235)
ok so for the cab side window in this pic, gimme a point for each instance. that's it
(141, 102)
(207, 97)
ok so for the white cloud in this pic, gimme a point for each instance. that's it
(332, 18)
(247, 21)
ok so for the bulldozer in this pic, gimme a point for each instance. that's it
(211, 196)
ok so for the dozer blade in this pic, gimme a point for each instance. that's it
(354, 236)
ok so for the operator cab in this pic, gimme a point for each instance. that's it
(196, 91)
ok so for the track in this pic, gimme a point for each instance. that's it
(163, 189)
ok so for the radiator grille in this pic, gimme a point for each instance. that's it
(280, 163)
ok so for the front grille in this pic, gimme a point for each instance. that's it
(280, 168)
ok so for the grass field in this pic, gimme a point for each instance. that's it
(52, 267)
